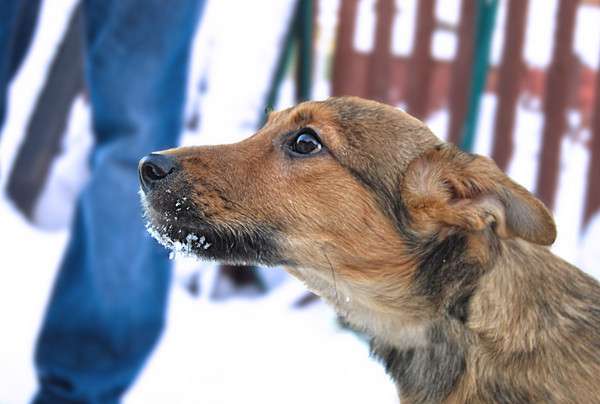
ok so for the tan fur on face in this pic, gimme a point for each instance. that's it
(347, 248)
(434, 252)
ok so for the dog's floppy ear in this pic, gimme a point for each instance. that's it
(446, 187)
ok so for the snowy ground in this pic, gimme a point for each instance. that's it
(255, 350)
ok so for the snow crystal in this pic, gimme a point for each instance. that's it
(178, 248)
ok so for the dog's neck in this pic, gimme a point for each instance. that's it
(520, 322)
(502, 318)
(460, 311)
(429, 369)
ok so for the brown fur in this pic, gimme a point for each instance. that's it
(434, 252)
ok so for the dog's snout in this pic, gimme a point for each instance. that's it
(154, 168)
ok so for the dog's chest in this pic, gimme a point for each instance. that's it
(428, 373)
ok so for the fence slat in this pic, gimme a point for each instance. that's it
(555, 103)
(421, 64)
(592, 203)
(380, 60)
(461, 70)
(345, 79)
(305, 33)
(509, 80)
(486, 21)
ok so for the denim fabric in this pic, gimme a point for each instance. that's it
(107, 307)
(17, 22)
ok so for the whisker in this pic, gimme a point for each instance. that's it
(332, 276)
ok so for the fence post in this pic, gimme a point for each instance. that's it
(281, 67)
(592, 202)
(509, 82)
(343, 72)
(421, 63)
(486, 18)
(555, 101)
(304, 73)
(380, 60)
(461, 70)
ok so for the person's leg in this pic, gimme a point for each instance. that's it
(17, 23)
(107, 308)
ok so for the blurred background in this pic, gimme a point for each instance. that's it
(515, 80)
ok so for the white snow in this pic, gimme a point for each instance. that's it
(69, 174)
(241, 54)
(448, 11)
(259, 351)
(403, 30)
(539, 33)
(587, 35)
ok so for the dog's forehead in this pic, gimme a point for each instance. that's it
(303, 114)
(352, 117)
(362, 133)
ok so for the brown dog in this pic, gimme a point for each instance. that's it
(434, 252)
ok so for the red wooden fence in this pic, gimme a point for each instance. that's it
(558, 80)
(509, 77)
(425, 85)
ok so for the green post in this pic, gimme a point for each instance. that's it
(486, 18)
(299, 35)
(304, 64)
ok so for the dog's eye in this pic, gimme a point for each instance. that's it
(305, 142)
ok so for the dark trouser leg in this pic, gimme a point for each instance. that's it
(107, 308)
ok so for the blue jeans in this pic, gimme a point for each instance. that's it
(17, 22)
(107, 308)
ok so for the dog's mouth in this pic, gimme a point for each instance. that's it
(181, 242)
(186, 232)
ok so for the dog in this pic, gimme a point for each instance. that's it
(434, 252)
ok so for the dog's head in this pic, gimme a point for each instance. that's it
(346, 193)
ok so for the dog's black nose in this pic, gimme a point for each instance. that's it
(153, 168)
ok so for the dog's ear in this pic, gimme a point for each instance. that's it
(449, 188)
